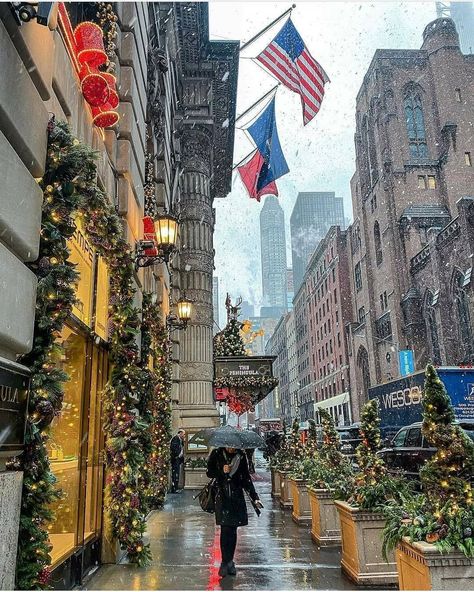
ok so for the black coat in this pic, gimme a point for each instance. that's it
(231, 507)
(176, 447)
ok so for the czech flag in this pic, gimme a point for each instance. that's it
(268, 162)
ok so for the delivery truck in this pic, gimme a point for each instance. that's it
(400, 400)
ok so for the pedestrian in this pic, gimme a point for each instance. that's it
(229, 467)
(177, 459)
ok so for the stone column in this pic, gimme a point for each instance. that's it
(196, 263)
(10, 503)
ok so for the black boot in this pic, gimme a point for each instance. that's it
(231, 568)
(223, 569)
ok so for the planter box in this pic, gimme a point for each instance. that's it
(286, 500)
(325, 524)
(362, 560)
(301, 508)
(195, 478)
(422, 567)
(276, 476)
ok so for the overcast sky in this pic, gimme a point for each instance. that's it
(343, 37)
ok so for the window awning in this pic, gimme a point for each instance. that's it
(333, 401)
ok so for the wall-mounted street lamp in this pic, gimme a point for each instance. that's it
(160, 236)
(181, 320)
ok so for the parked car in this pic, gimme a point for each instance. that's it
(409, 450)
(350, 438)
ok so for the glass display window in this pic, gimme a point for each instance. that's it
(64, 445)
(76, 445)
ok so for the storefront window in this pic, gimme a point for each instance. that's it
(94, 478)
(76, 445)
(64, 445)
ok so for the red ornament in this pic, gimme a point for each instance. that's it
(104, 116)
(149, 235)
(89, 39)
(94, 86)
(111, 82)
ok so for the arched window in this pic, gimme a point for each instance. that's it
(377, 243)
(415, 122)
(429, 316)
(461, 303)
(363, 365)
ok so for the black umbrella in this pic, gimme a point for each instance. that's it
(227, 436)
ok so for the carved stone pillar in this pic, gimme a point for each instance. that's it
(196, 262)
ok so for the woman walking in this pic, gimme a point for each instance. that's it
(229, 467)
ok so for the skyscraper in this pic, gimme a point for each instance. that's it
(247, 310)
(314, 213)
(273, 252)
(290, 287)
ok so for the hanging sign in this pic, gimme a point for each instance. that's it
(407, 362)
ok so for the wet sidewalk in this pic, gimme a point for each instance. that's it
(273, 553)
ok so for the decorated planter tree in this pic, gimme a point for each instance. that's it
(361, 520)
(331, 477)
(331, 470)
(444, 515)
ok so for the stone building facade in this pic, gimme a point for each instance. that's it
(198, 152)
(276, 403)
(410, 240)
(329, 309)
(39, 80)
(176, 114)
(304, 401)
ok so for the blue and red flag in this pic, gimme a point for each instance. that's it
(289, 60)
(268, 163)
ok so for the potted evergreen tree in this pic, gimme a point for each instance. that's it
(299, 475)
(276, 464)
(434, 531)
(294, 453)
(331, 478)
(362, 521)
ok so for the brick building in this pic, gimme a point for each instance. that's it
(277, 346)
(303, 396)
(410, 242)
(329, 309)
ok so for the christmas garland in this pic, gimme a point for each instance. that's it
(156, 346)
(70, 189)
(246, 382)
(55, 298)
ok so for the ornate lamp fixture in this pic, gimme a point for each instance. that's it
(159, 240)
(180, 321)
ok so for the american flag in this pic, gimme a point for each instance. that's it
(288, 59)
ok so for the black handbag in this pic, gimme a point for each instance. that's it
(207, 497)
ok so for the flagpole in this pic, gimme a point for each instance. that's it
(258, 35)
(257, 102)
(244, 159)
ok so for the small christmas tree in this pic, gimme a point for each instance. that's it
(332, 470)
(446, 475)
(312, 443)
(331, 445)
(229, 342)
(444, 513)
(373, 484)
